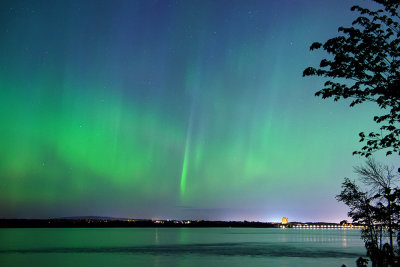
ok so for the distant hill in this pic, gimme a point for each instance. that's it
(94, 218)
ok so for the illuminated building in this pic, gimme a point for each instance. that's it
(285, 220)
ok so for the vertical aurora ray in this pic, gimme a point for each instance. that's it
(186, 157)
(184, 169)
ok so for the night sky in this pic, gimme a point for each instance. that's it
(192, 109)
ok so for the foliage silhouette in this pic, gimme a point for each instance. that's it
(377, 206)
(366, 68)
(361, 262)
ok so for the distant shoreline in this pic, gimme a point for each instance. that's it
(139, 223)
(99, 223)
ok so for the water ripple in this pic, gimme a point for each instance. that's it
(225, 249)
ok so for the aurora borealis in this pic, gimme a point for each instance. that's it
(172, 109)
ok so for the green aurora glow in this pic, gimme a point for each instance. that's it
(171, 109)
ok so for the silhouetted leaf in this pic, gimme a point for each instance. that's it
(365, 67)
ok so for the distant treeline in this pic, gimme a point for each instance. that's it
(90, 223)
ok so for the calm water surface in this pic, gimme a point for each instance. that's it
(205, 247)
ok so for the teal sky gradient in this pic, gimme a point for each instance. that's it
(172, 109)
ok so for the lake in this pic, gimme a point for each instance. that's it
(205, 247)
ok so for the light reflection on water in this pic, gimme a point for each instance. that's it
(156, 237)
(180, 247)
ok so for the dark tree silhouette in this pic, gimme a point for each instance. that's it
(361, 262)
(377, 206)
(365, 67)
